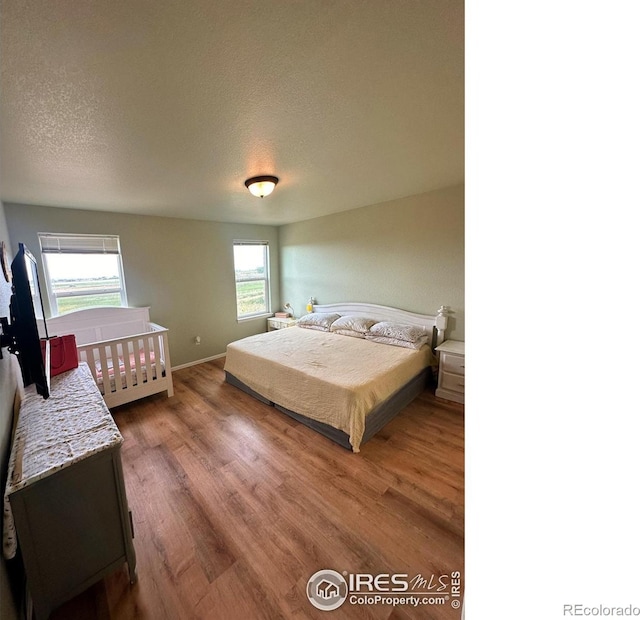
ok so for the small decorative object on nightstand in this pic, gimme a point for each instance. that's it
(451, 371)
(278, 323)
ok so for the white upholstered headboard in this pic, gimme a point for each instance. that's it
(387, 313)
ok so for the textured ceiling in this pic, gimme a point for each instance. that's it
(166, 107)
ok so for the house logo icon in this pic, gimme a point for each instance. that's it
(327, 590)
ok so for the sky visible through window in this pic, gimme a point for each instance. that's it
(248, 257)
(82, 266)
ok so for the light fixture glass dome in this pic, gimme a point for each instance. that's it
(261, 186)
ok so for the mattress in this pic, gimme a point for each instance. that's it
(328, 377)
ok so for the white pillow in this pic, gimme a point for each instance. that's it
(396, 342)
(348, 332)
(399, 331)
(318, 320)
(351, 323)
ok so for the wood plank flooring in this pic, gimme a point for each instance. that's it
(235, 506)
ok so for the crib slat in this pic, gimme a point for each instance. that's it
(115, 360)
(167, 363)
(91, 360)
(157, 348)
(126, 355)
(136, 353)
(106, 383)
(147, 358)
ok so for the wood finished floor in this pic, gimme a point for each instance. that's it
(235, 506)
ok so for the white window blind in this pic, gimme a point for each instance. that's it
(79, 244)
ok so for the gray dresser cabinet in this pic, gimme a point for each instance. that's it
(66, 492)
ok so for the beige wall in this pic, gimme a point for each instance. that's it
(182, 269)
(407, 253)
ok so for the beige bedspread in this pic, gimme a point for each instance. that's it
(328, 377)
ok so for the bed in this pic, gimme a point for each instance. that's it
(127, 354)
(346, 388)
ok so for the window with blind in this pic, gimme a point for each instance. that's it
(82, 271)
(251, 263)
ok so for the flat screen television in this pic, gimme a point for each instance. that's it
(26, 300)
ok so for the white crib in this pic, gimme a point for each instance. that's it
(133, 350)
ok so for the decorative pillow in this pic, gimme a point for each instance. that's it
(351, 323)
(399, 331)
(318, 320)
(396, 342)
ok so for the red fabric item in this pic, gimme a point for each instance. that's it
(63, 353)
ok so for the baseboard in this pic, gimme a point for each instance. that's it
(202, 361)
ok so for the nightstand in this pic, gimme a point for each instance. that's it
(275, 323)
(451, 371)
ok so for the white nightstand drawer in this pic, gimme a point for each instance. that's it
(451, 372)
(453, 363)
(454, 383)
(276, 323)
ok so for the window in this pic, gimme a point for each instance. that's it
(251, 261)
(82, 271)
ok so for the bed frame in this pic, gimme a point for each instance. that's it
(436, 323)
(107, 334)
(384, 412)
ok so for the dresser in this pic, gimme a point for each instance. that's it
(451, 371)
(65, 500)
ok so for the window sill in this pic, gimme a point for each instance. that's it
(263, 315)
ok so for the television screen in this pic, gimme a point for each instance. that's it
(25, 306)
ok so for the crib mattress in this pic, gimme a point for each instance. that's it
(152, 367)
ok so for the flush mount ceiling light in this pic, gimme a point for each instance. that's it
(261, 186)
